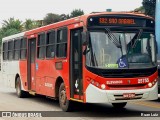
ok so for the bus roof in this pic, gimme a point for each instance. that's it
(71, 21)
(19, 35)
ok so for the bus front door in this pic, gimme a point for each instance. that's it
(76, 65)
(31, 64)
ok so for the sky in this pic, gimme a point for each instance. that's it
(37, 9)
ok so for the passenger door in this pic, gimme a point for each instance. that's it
(76, 65)
(31, 64)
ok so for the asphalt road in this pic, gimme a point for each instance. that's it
(10, 102)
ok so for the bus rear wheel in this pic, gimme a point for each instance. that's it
(20, 93)
(66, 105)
(119, 105)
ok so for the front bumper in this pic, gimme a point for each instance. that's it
(96, 95)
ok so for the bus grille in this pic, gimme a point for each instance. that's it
(124, 87)
(122, 73)
(125, 74)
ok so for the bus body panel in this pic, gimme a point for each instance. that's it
(23, 73)
(11, 69)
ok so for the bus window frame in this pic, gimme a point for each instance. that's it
(14, 50)
(55, 37)
(4, 51)
(25, 39)
(40, 46)
(58, 29)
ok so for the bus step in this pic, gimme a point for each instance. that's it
(32, 93)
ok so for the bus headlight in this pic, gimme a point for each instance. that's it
(149, 84)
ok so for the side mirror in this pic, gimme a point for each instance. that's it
(85, 38)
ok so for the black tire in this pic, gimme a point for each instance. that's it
(119, 105)
(20, 93)
(66, 105)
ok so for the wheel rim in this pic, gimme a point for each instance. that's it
(63, 97)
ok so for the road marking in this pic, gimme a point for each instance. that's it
(148, 104)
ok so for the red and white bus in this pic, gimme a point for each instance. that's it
(95, 58)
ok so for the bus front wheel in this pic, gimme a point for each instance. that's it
(20, 93)
(65, 104)
(119, 105)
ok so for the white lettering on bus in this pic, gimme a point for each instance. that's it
(48, 84)
(143, 80)
(114, 82)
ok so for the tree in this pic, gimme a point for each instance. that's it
(10, 31)
(140, 10)
(12, 23)
(76, 12)
(10, 27)
(64, 16)
(51, 18)
(1, 35)
(31, 24)
(149, 6)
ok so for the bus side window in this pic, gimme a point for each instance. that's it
(41, 46)
(61, 43)
(50, 44)
(10, 50)
(16, 49)
(23, 48)
(5, 50)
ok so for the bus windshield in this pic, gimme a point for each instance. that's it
(120, 49)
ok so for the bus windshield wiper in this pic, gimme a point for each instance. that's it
(113, 38)
(136, 38)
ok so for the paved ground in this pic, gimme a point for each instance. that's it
(10, 102)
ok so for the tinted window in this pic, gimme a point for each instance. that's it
(41, 46)
(5, 51)
(17, 44)
(62, 43)
(23, 50)
(10, 50)
(50, 44)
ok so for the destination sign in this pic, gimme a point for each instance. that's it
(120, 21)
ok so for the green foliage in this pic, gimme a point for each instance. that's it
(140, 9)
(51, 18)
(31, 24)
(149, 6)
(10, 31)
(76, 12)
(14, 26)
(10, 27)
(12, 23)
(64, 16)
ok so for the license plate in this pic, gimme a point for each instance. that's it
(129, 95)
